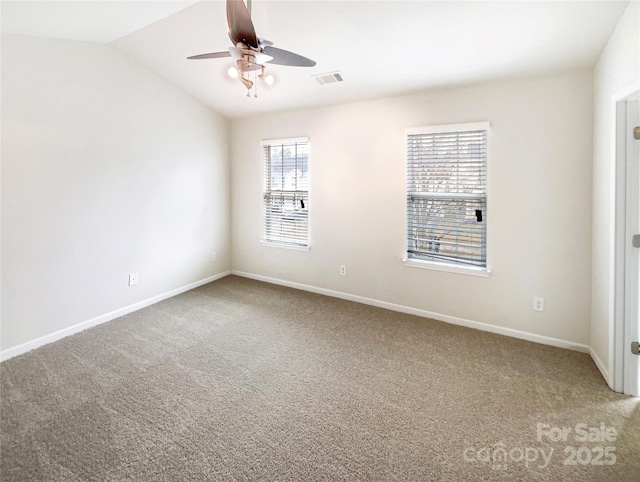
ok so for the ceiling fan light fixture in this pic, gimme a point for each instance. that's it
(233, 72)
(247, 83)
(268, 79)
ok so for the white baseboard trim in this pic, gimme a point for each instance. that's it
(602, 367)
(71, 330)
(500, 330)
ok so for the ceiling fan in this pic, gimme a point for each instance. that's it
(250, 52)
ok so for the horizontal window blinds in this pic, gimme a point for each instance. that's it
(286, 192)
(447, 196)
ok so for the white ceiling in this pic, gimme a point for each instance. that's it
(382, 48)
(84, 20)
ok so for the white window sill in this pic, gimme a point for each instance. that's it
(433, 265)
(292, 247)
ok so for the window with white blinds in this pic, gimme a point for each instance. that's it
(286, 192)
(447, 194)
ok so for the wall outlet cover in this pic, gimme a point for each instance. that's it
(538, 303)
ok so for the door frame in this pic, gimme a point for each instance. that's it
(621, 325)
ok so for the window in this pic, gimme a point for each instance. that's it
(447, 194)
(286, 192)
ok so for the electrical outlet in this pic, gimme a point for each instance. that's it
(538, 303)
(343, 270)
(213, 256)
(133, 279)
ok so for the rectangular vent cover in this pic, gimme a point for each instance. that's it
(329, 78)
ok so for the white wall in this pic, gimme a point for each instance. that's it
(618, 66)
(539, 212)
(106, 170)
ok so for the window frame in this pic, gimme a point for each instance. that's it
(268, 143)
(438, 265)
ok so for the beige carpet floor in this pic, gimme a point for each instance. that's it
(242, 380)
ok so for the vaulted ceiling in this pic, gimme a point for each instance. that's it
(381, 48)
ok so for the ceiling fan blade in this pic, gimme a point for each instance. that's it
(241, 27)
(284, 57)
(212, 55)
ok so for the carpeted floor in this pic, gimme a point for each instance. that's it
(242, 380)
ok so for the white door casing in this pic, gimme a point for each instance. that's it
(624, 366)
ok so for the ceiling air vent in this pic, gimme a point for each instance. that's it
(329, 78)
